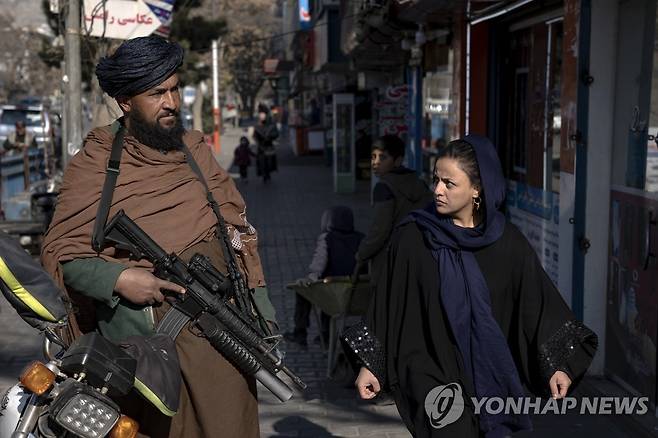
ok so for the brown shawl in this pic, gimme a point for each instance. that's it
(160, 192)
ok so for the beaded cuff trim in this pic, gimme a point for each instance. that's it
(363, 345)
(558, 349)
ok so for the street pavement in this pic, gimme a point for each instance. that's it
(286, 212)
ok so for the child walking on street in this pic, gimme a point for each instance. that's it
(243, 154)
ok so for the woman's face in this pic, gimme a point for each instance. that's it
(453, 191)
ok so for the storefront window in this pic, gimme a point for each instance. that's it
(437, 106)
(529, 133)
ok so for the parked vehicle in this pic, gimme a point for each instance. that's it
(27, 214)
(36, 118)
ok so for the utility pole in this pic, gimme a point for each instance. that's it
(73, 83)
(216, 111)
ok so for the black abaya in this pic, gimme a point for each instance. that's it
(414, 351)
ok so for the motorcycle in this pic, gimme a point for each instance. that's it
(73, 393)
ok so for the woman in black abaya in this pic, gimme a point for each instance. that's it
(465, 303)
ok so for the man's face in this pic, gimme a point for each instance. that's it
(153, 116)
(20, 128)
(382, 162)
(159, 105)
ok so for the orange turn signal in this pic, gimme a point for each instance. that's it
(126, 427)
(37, 378)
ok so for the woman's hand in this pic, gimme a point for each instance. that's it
(367, 384)
(559, 384)
(141, 287)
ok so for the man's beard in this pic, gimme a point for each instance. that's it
(154, 135)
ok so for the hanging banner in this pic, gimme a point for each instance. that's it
(126, 19)
(392, 108)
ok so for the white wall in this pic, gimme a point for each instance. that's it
(603, 56)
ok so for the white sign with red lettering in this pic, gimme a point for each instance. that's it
(120, 19)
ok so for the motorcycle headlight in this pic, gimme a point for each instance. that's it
(84, 411)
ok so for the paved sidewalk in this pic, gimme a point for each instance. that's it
(286, 212)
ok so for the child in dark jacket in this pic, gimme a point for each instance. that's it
(334, 256)
(242, 157)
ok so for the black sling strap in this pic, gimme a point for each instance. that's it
(111, 175)
(242, 297)
(222, 234)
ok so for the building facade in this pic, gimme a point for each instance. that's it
(565, 89)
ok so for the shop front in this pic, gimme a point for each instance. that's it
(439, 115)
(516, 96)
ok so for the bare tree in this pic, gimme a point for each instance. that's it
(251, 24)
(245, 56)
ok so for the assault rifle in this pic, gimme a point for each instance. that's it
(210, 305)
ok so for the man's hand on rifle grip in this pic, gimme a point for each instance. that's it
(143, 288)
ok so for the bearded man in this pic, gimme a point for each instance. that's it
(159, 190)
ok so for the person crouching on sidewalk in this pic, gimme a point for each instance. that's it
(334, 256)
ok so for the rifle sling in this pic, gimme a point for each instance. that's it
(222, 234)
(98, 236)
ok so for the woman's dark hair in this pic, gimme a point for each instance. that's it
(391, 144)
(462, 152)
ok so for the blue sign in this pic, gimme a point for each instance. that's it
(304, 15)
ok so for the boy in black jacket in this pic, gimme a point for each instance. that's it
(398, 192)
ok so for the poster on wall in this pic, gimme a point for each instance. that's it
(536, 213)
(392, 108)
(632, 312)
